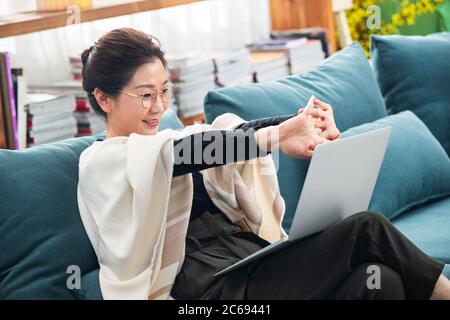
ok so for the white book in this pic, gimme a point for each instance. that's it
(263, 61)
(277, 44)
(193, 77)
(47, 104)
(61, 87)
(233, 57)
(186, 64)
(43, 119)
(52, 136)
(275, 74)
(68, 123)
(194, 96)
(182, 88)
(21, 110)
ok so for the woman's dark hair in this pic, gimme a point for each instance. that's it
(111, 63)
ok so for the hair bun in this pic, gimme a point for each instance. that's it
(85, 55)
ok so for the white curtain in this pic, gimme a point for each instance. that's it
(207, 26)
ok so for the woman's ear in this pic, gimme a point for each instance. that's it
(103, 100)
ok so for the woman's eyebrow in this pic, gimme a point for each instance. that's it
(150, 85)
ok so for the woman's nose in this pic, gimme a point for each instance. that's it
(158, 106)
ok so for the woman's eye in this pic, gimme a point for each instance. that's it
(147, 95)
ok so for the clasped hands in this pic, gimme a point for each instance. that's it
(298, 136)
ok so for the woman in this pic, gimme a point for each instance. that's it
(125, 77)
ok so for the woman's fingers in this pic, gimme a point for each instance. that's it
(318, 113)
(321, 125)
(332, 134)
(320, 140)
(322, 105)
(309, 106)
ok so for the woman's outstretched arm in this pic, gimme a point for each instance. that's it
(242, 140)
(294, 135)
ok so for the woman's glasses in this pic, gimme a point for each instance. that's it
(148, 99)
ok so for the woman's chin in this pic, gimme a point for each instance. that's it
(147, 130)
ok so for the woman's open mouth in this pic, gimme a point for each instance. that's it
(151, 123)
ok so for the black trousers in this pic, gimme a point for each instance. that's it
(362, 257)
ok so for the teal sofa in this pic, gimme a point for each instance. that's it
(42, 239)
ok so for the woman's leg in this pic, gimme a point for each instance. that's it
(315, 267)
(389, 285)
(442, 289)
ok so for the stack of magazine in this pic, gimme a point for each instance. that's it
(193, 77)
(269, 66)
(87, 121)
(233, 68)
(303, 54)
(50, 117)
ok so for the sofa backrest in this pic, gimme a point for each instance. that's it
(345, 80)
(41, 233)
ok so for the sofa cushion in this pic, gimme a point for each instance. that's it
(428, 227)
(90, 287)
(344, 80)
(446, 271)
(415, 169)
(414, 74)
(40, 226)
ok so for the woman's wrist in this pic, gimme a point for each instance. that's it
(268, 138)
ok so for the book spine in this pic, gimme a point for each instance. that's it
(12, 101)
(21, 92)
(3, 140)
(6, 108)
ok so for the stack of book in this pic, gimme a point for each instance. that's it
(314, 33)
(50, 117)
(306, 58)
(303, 54)
(269, 66)
(193, 78)
(76, 65)
(233, 68)
(87, 121)
(9, 131)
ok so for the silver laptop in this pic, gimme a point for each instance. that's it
(340, 182)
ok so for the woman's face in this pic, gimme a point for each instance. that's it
(126, 112)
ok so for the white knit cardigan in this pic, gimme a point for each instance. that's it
(136, 214)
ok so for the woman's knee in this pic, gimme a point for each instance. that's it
(372, 281)
(367, 219)
(390, 286)
(370, 216)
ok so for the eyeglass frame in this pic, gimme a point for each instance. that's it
(160, 93)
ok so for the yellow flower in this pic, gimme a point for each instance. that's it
(397, 19)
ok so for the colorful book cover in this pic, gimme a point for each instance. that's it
(3, 143)
(6, 108)
(12, 100)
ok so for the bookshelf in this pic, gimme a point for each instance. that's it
(33, 21)
(285, 14)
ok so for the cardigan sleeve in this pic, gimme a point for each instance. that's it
(197, 143)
